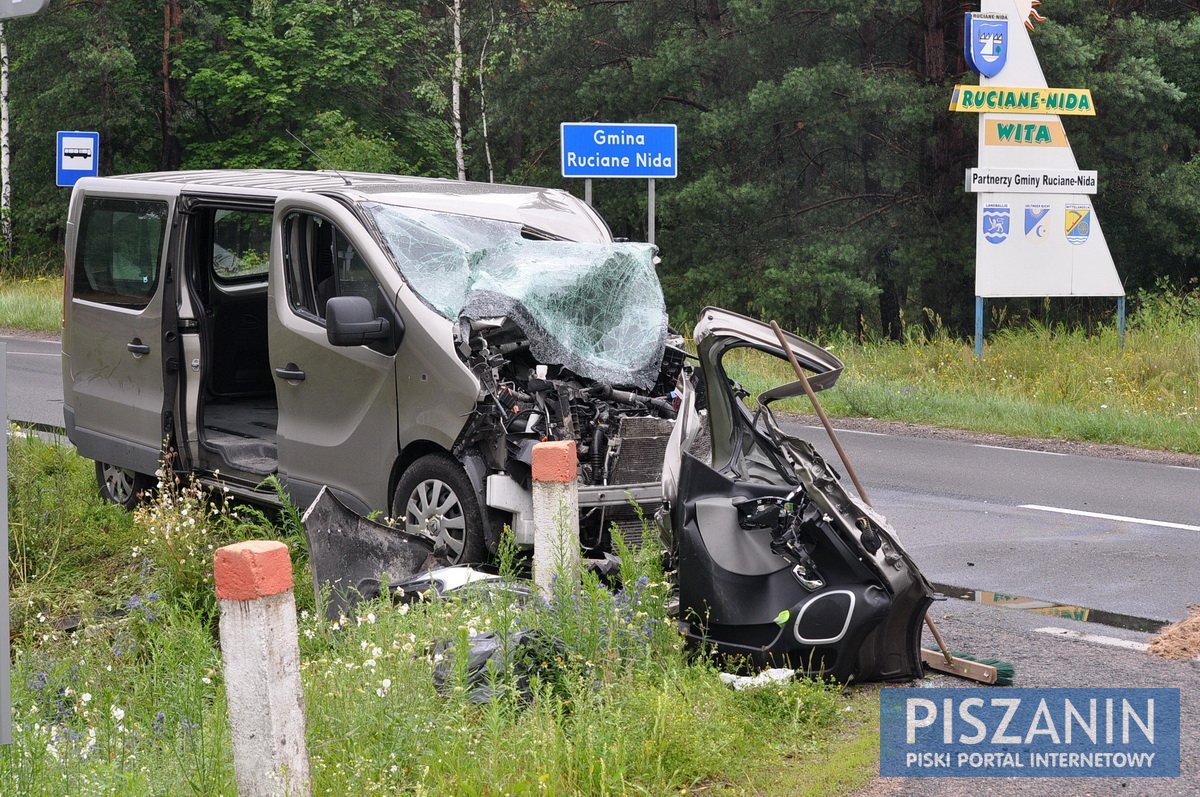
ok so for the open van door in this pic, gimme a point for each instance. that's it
(337, 403)
(363, 369)
(119, 334)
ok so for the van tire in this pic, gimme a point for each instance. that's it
(122, 486)
(435, 499)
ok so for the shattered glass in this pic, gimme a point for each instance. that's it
(596, 309)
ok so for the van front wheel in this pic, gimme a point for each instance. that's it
(435, 499)
(122, 486)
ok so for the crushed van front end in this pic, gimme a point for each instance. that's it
(776, 561)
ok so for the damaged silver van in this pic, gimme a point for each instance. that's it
(406, 342)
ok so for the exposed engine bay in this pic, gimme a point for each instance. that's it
(620, 432)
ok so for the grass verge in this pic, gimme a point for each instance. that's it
(837, 763)
(1034, 381)
(34, 303)
(117, 681)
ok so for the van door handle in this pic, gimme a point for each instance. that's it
(137, 348)
(290, 372)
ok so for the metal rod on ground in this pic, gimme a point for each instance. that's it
(812, 397)
(261, 654)
(956, 666)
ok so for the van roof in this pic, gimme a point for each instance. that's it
(550, 209)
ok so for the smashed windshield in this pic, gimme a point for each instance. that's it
(596, 309)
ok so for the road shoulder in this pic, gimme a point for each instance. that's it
(1076, 447)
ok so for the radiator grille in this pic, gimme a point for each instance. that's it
(638, 459)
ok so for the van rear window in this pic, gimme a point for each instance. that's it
(120, 246)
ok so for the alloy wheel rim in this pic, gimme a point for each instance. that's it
(119, 483)
(435, 511)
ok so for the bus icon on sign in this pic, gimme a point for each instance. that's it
(77, 156)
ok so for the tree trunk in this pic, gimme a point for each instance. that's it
(456, 90)
(891, 300)
(483, 119)
(105, 101)
(170, 151)
(882, 265)
(948, 151)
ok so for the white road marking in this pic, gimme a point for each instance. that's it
(35, 353)
(1182, 467)
(1022, 450)
(1079, 636)
(1102, 516)
(850, 431)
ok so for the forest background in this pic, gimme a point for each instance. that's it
(820, 177)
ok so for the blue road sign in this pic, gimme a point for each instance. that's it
(619, 150)
(78, 156)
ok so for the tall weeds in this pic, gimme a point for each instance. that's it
(33, 303)
(1034, 380)
(128, 698)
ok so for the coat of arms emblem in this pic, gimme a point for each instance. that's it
(986, 42)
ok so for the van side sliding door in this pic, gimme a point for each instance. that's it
(116, 338)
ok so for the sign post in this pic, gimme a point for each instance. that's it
(5, 658)
(608, 149)
(1036, 232)
(78, 155)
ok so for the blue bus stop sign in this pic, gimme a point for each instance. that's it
(619, 150)
(78, 156)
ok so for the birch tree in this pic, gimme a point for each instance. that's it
(456, 76)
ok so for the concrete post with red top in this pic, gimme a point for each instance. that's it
(262, 669)
(555, 513)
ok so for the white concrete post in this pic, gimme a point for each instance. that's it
(262, 669)
(555, 514)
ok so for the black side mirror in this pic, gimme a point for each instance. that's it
(351, 321)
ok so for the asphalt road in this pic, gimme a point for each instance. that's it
(963, 512)
(34, 371)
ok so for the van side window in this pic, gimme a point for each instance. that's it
(241, 245)
(120, 246)
(320, 263)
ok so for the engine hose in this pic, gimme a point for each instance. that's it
(597, 454)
